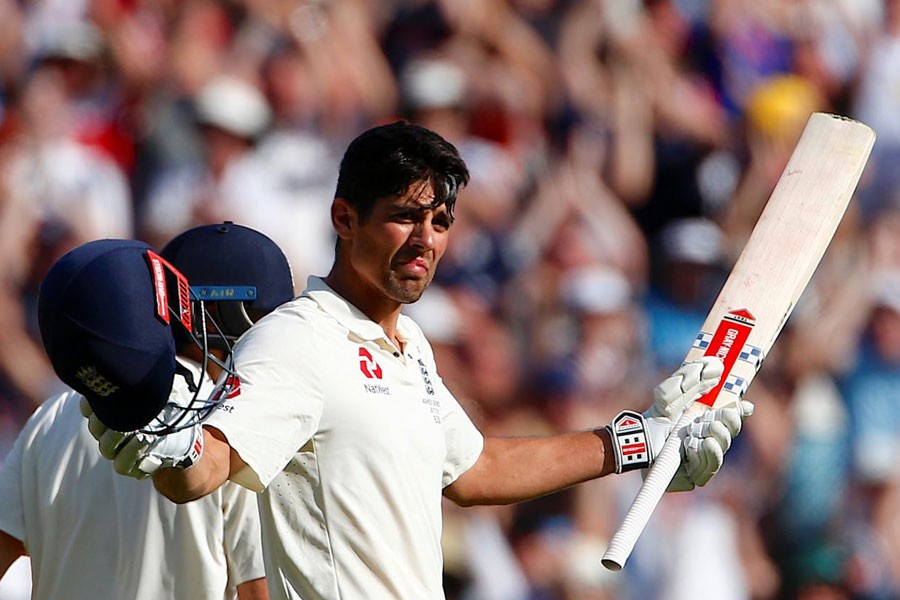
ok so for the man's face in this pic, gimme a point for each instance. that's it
(398, 248)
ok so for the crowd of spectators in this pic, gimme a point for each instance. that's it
(621, 152)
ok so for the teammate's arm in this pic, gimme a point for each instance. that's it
(217, 463)
(10, 551)
(204, 460)
(242, 542)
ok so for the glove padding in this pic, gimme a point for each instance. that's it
(144, 453)
(638, 438)
(704, 444)
(681, 388)
(109, 440)
(137, 454)
(675, 393)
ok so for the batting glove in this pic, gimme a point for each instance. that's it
(145, 453)
(109, 440)
(705, 442)
(139, 454)
(637, 438)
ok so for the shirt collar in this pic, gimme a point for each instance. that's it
(348, 315)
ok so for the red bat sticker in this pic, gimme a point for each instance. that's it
(727, 343)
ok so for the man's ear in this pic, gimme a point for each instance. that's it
(343, 218)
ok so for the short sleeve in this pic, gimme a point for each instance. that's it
(464, 441)
(274, 406)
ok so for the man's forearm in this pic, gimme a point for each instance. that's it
(521, 468)
(210, 472)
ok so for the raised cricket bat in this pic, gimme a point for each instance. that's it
(780, 257)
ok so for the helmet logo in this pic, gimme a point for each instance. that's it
(159, 286)
(94, 381)
(158, 268)
(368, 366)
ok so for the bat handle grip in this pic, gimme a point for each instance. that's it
(658, 478)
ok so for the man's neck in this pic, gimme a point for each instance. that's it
(369, 301)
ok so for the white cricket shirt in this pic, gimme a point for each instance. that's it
(92, 533)
(353, 443)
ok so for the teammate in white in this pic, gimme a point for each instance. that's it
(338, 417)
(89, 532)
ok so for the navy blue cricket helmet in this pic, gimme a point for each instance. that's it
(102, 322)
(237, 270)
(111, 311)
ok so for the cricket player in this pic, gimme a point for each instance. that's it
(90, 533)
(337, 416)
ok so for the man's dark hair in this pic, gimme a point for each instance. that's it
(385, 160)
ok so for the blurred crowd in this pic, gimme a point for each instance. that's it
(621, 152)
